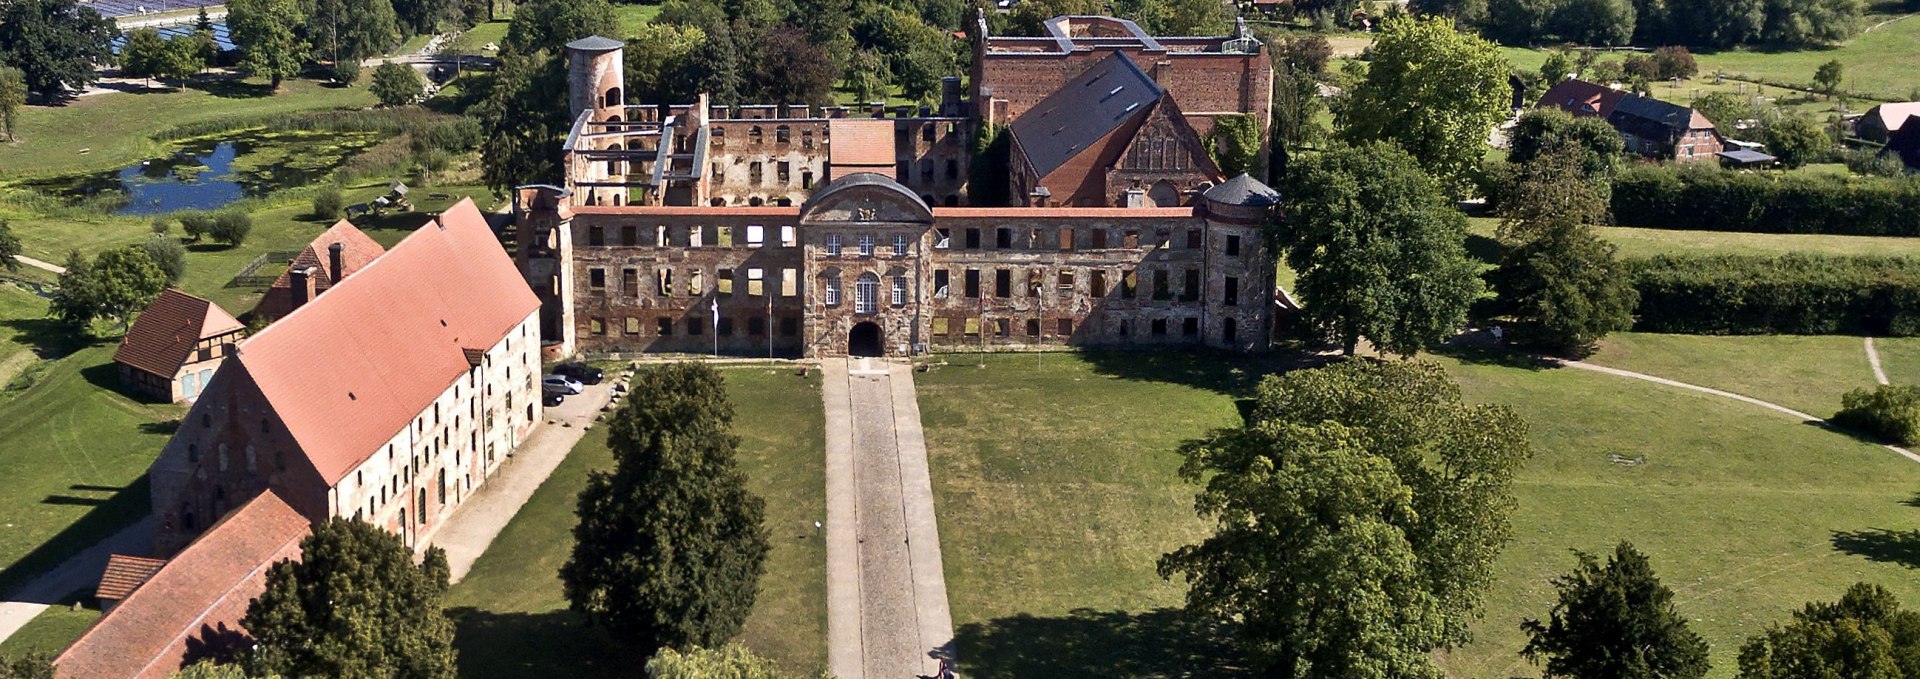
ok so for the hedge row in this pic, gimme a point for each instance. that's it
(1793, 294)
(1711, 199)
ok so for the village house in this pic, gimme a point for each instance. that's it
(1650, 128)
(387, 399)
(1883, 120)
(174, 346)
(335, 254)
(1582, 98)
(1905, 144)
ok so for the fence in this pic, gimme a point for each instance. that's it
(250, 276)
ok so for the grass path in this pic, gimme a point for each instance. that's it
(1808, 373)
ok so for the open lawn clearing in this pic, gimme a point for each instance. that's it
(1054, 479)
(632, 17)
(1638, 242)
(473, 40)
(53, 629)
(117, 129)
(1746, 513)
(513, 617)
(1808, 373)
(1900, 358)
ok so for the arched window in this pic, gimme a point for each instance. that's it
(611, 99)
(866, 293)
(832, 288)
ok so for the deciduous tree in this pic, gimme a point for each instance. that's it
(791, 70)
(1357, 517)
(523, 117)
(1865, 635)
(1559, 282)
(1827, 77)
(1594, 144)
(1235, 144)
(1615, 621)
(9, 247)
(395, 84)
(345, 32)
(1723, 109)
(167, 253)
(1433, 91)
(551, 24)
(267, 32)
(354, 605)
(1796, 140)
(112, 287)
(656, 56)
(231, 227)
(13, 95)
(732, 661)
(1379, 249)
(55, 43)
(29, 666)
(670, 545)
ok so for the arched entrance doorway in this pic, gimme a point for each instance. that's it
(865, 340)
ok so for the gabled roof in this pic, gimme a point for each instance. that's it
(1905, 144)
(1654, 119)
(1092, 104)
(1580, 97)
(352, 368)
(1893, 115)
(356, 252)
(1242, 190)
(192, 603)
(124, 574)
(163, 336)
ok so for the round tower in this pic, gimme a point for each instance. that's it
(596, 78)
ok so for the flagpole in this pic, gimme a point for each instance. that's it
(769, 326)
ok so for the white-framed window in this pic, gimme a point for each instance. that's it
(786, 236)
(833, 291)
(756, 235)
(833, 245)
(899, 245)
(866, 293)
(899, 291)
(866, 245)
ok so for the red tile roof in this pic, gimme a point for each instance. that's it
(163, 336)
(1061, 212)
(357, 251)
(193, 604)
(1580, 97)
(125, 574)
(792, 212)
(861, 142)
(349, 370)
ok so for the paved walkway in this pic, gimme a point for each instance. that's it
(81, 572)
(37, 264)
(472, 528)
(887, 615)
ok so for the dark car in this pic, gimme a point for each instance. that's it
(551, 398)
(580, 372)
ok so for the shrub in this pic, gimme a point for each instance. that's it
(1890, 413)
(1792, 294)
(1716, 200)
(329, 203)
(196, 224)
(231, 227)
(1674, 61)
(169, 254)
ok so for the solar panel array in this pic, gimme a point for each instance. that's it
(117, 8)
(220, 35)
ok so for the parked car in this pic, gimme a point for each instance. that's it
(551, 398)
(580, 372)
(563, 384)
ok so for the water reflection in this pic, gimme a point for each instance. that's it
(186, 181)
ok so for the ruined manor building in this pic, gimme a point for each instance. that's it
(764, 230)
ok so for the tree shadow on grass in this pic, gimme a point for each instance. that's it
(233, 88)
(50, 338)
(1234, 374)
(1088, 644)
(123, 508)
(552, 645)
(1881, 545)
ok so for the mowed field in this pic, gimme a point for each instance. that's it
(1056, 491)
(511, 612)
(1638, 242)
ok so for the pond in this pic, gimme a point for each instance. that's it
(209, 174)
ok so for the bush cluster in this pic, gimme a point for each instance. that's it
(1714, 200)
(1890, 413)
(1792, 294)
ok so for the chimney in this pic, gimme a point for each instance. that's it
(336, 257)
(1136, 198)
(877, 108)
(300, 286)
(950, 96)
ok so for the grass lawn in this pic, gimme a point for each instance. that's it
(111, 131)
(513, 619)
(1899, 358)
(1815, 372)
(52, 630)
(474, 39)
(1638, 242)
(1054, 477)
(632, 17)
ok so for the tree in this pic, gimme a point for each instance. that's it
(1674, 61)
(1456, 83)
(1177, 17)
(732, 661)
(267, 33)
(1811, 23)
(140, 56)
(1594, 143)
(1555, 68)
(54, 43)
(9, 247)
(1357, 517)
(1379, 249)
(523, 118)
(1827, 77)
(656, 55)
(113, 286)
(1235, 144)
(353, 605)
(670, 545)
(1865, 635)
(1615, 621)
(74, 300)
(867, 77)
(29, 666)
(231, 227)
(1796, 140)
(185, 57)
(201, 22)
(348, 31)
(1595, 22)
(1722, 23)
(328, 204)
(168, 254)
(206, 669)
(1724, 109)
(550, 24)
(1560, 282)
(791, 70)
(13, 95)
(396, 84)
(196, 224)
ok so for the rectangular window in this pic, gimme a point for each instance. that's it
(941, 279)
(1129, 284)
(787, 236)
(971, 327)
(1003, 238)
(866, 245)
(756, 282)
(1099, 283)
(1066, 238)
(1159, 327)
(629, 235)
(726, 327)
(1002, 327)
(1064, 328)
(633, 325)
(783, 172)
(1230, 295)
(1034, 276)
(1233, 246)
(723, 236)
(789, 326)
(756, 326)
(1126, 327)
(973, 239)
(942, 239)
(789, 282)
(1190, 327)
(1099, 239)
(1191, 291)
(973, 283)
(1130, 240)
(695, 282)
(899, 245)
(596, 236)
(833, 245)
(1162, 289)
(725, 284)
(1193, 239)
(696, 236)
(666, 327)
(696, 325)
(630, 281)
(596, 278)
(663, 282)
(899, 291)
(833, 291)
(1003, 283)
(756, 235)
(1065, 282)
(1033, 327)
(941, 326)
(597, 325)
